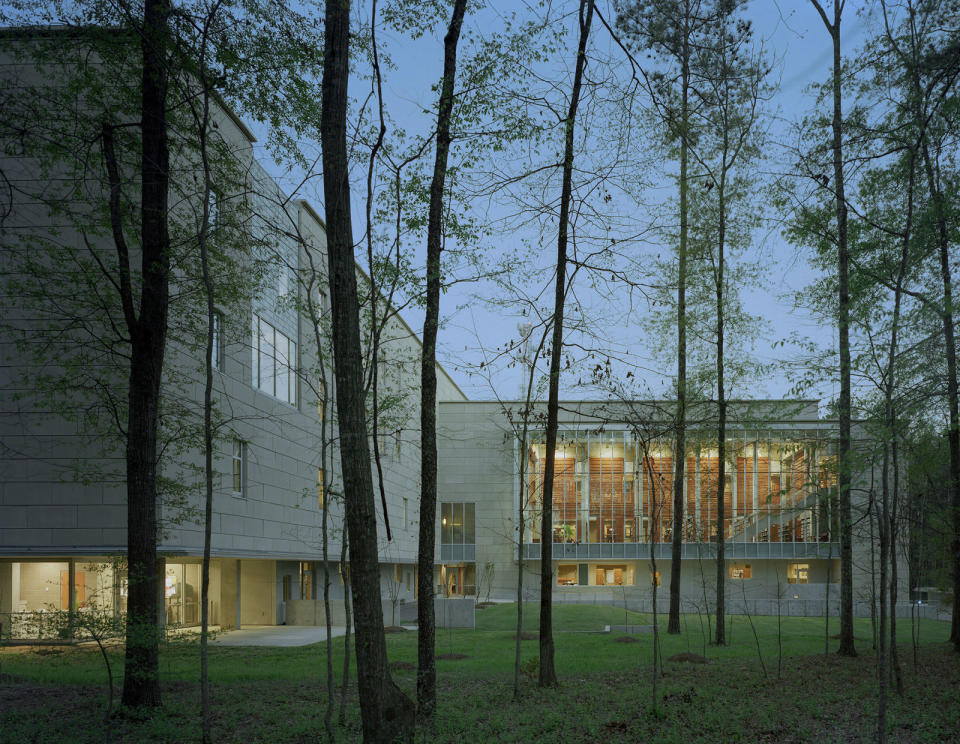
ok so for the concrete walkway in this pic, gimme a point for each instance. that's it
(277, 635)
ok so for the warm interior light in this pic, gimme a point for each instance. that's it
(444, 520)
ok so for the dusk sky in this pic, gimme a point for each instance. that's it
(797, 45)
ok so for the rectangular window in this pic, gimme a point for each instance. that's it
(655, 579)
(567, 575)
(320, 501)
(218, 341)
(274, 362)
(457, 524)
(239, 468)
(446, 524)
(741, 571)
(797, 573)
(469, 528)
(306, 580)
(606, 575)
(214, 201)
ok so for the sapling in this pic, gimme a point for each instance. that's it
(756, 638)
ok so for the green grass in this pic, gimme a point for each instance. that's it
(277, 694)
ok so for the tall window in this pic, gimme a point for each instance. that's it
(457, 524)
(218, 341)
(306, 580)
(239, 468)
(274, 361)
(214, 201)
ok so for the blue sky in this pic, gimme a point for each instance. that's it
(792, 33)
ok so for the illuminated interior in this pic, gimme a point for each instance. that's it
(609, 487)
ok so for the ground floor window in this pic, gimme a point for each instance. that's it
(741, 571)
(607, 575)
(655, 578)
(181, 590)
(567, 574)
(306, 580)
(595, 574)
(797, 573)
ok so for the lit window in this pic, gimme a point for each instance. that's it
(567, 575)
(239, 467)
(457, 524)
(606, 575)
(655, 579)
(797, 573)
(306, 580)
(274, 362)
(741, 571)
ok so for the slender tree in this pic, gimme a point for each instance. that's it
(847, 647)
(732, 76)
(548, 674)
(426, 663)
(387, 713)
(673, 31)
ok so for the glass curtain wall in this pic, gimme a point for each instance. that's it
(780, 486)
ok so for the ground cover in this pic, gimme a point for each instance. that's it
(277, 694)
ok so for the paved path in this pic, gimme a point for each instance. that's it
(277, 635)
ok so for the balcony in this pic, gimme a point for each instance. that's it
(663, 551)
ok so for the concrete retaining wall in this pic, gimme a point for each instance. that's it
(310, 612)
(454, 612)
(788, 607)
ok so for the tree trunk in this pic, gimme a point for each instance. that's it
(386, 712)
(323, 404)
(680, 460)
(426, 662)
(953, 435)
(148, 333)
(548, 675)
(721, 637)
(891, 418)
(882, 650)
(843, 326)
(205, 713)
(348, 624)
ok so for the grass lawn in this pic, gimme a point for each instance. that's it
(277, 694)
